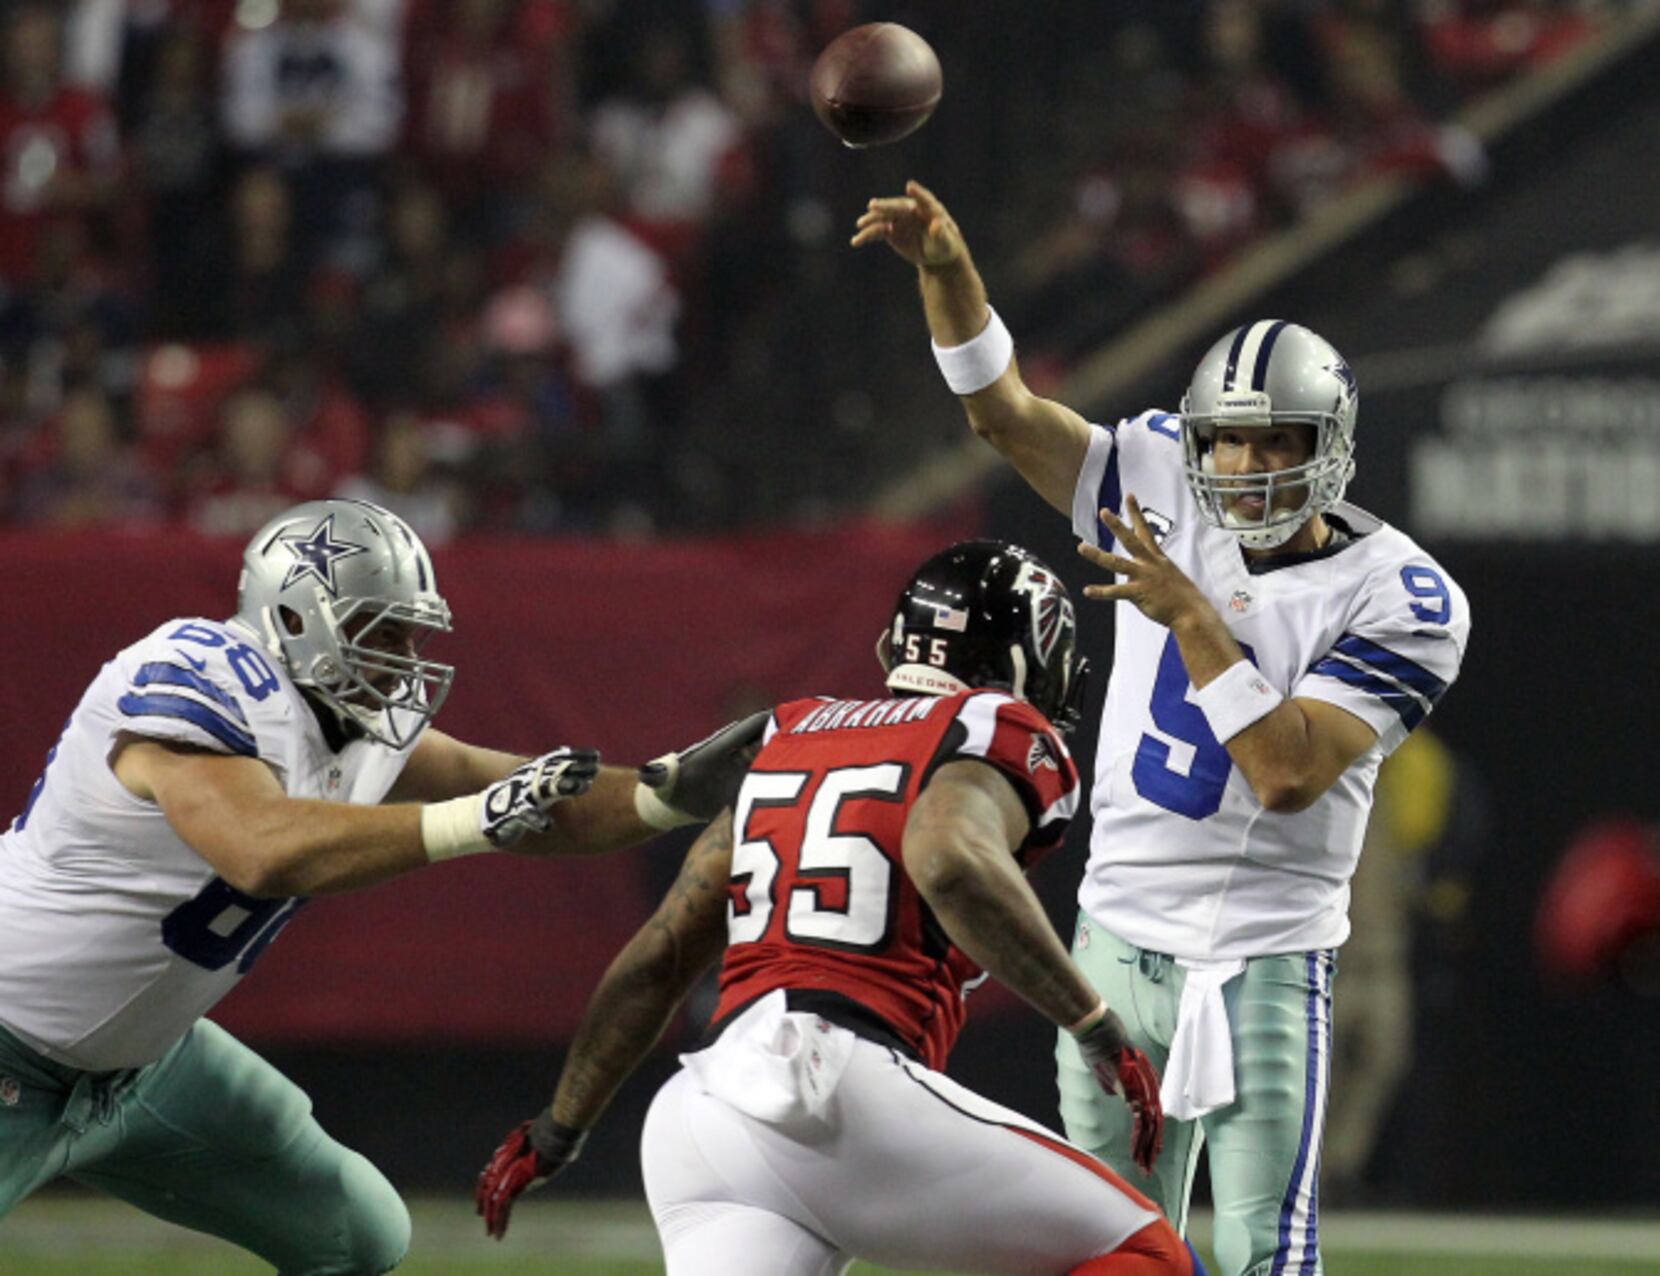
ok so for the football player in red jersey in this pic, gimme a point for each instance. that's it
(871, 869)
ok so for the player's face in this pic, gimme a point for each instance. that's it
(388, 637)
(1262, 449)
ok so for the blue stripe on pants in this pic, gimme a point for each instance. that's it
(1315, 967)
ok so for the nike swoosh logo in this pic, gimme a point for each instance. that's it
(197, 665)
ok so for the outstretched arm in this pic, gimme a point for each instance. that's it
(627, 1013)
(603, 819)
(1044, 440)
(233, 812)
(621, 808)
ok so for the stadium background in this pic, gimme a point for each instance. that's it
(567, 282)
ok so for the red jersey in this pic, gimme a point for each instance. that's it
(821, 904)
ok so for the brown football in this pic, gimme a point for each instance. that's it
(876, 83)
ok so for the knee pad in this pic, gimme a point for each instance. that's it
(377, 1227)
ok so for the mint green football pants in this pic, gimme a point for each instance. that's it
(1265, 1146)
(210, 1137)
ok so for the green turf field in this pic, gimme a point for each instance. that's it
(80, 1236)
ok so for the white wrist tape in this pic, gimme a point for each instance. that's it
(1090, 1020)
(656, 812)
(451, 828)
(1236, 698)
(979, 361)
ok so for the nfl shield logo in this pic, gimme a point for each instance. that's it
(11, 1090)
(1240, 600)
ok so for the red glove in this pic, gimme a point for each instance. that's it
(528, 1157)
(1121, 1068)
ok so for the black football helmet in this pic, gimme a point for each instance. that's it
(987, 614)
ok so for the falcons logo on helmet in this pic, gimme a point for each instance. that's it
(1051, 609)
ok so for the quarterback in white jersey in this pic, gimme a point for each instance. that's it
(214, 775)
(1194, 863)
(1274, 644)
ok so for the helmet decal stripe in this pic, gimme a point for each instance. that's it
(1242, 355)
(1259, 377)
(1233, 356)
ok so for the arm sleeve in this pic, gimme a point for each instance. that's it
(1099, 485)
(1135, 455)
(1397, 657)
(1016, 739)
(167, 699)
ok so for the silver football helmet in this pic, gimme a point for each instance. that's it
(343, 593)
(1270, 373)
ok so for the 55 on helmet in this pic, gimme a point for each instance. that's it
(1270, 373)
(343, 593)
(987, 613)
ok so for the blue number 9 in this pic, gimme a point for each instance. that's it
(1426, 582)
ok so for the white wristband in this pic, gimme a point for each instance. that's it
(656, 812)
(979, 361)
(1236, 698)
(451, 828)
(1090, 1020)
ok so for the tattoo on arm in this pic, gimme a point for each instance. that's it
(648, 980)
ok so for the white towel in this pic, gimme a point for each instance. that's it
(1199, 1075)
(774, 1064)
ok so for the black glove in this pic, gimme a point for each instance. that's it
(696, 783)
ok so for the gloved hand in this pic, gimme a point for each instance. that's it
(519, 802)
(531, 1154)
(693, 785)
(1122, 1069)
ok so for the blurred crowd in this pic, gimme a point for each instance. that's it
(547, 265)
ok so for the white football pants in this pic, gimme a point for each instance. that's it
(901, 1166)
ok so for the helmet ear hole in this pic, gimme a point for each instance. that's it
(292, 621)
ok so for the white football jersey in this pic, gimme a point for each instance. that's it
(115, 936)
(1183, 858)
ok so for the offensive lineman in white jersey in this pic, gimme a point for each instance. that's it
(1275, 644)
(213, 776)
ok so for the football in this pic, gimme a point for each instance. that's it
(876, 84)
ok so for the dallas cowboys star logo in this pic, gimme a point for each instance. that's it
(316, 554)
(1345, 374)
